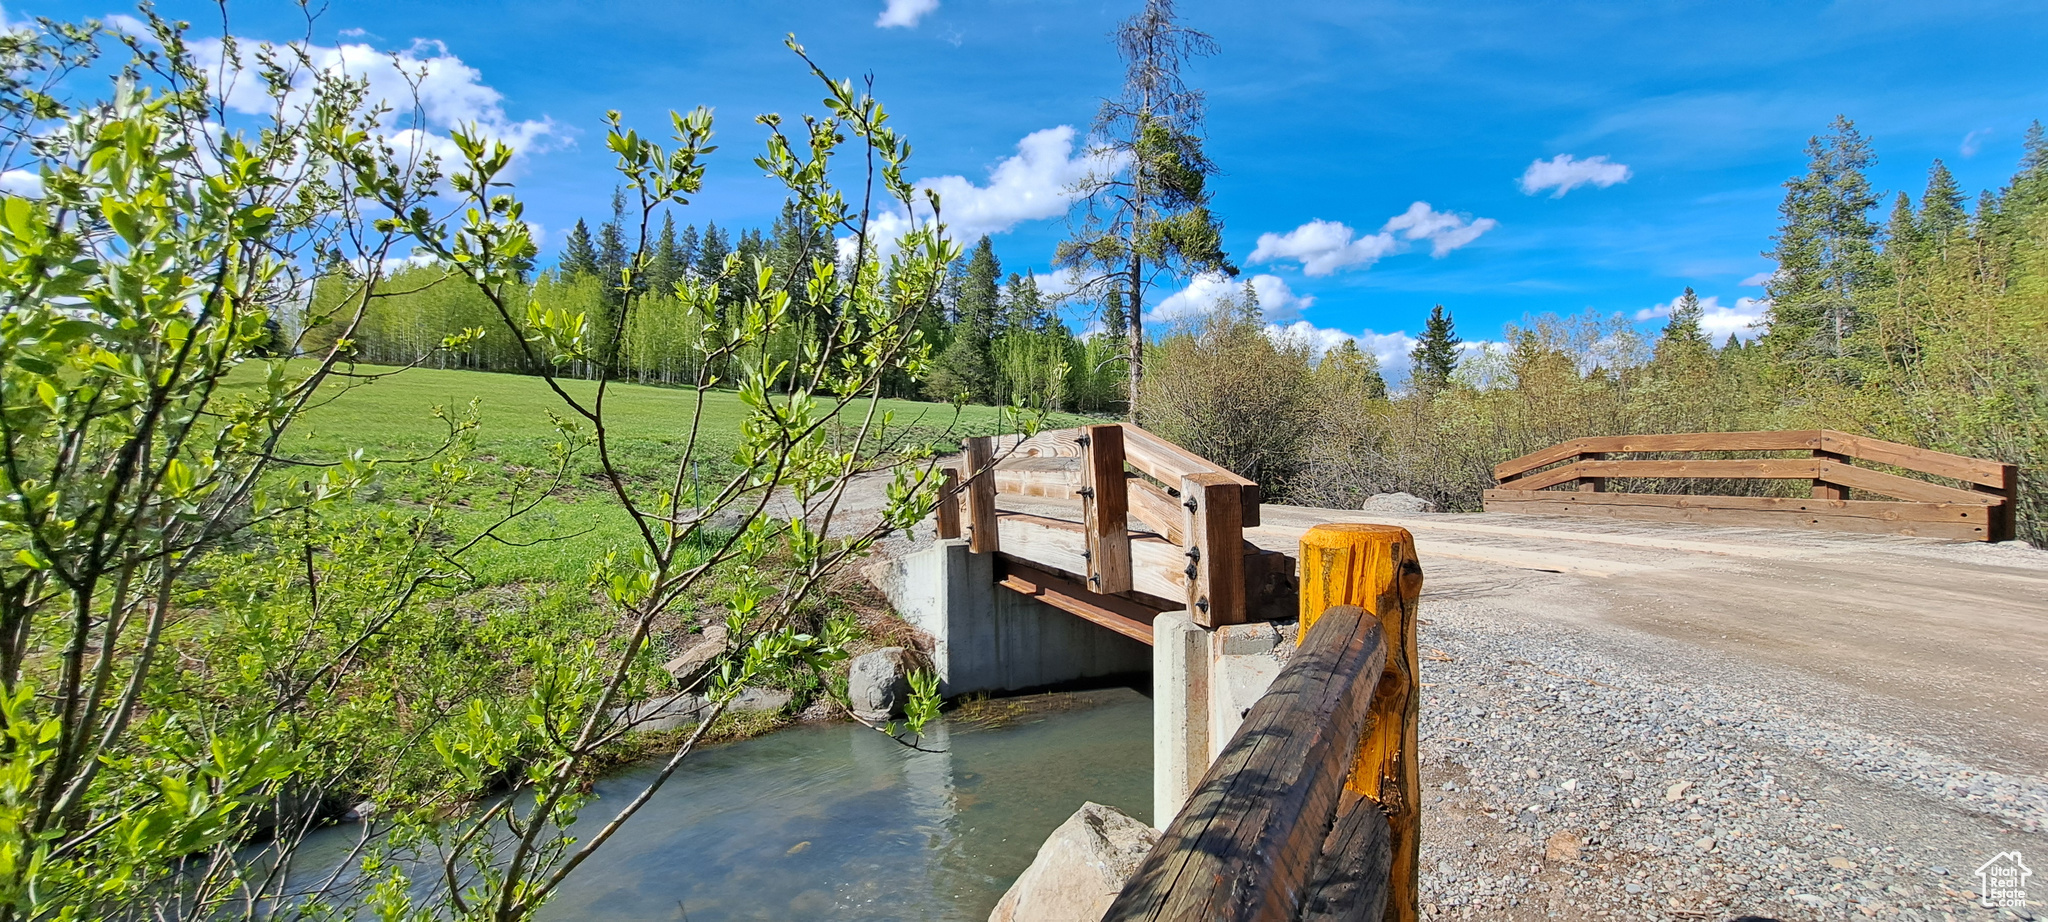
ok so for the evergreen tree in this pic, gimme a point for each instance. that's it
(579, 258)
(665, 267)
(1825, 245)
(1941, 208)
(967, 365)
(687, 248)
(1114, 324)
(1024, 309)
(611, 249)
(1435, 355)
(716, 247)
(1149, 209)
(1684, 324)
(1902, 233)
(2027, 194)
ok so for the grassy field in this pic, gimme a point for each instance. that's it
(392, 417)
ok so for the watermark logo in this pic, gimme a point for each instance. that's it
(2003, 880)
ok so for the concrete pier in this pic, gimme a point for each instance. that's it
(989, 638)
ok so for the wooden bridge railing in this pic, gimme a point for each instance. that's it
(1191, 553)
(1311, 812)
(1980, 508)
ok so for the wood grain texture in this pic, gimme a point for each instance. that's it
(1245, 846)
(1215, 549)
(1375, 567)
(1052, 443)
(982, 534)
(1105, 508)
(1927, 461)
(1121, 615)
(1351, 878)
(1168, 463)
(1055, 544)
(1953, 521)
(946, 517)
(1157, 510)
(1823, 489)
(1056, 478)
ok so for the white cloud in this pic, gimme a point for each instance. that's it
(126, 25)
(1758, 280)
(1563, 173)
(429, 90)
(1390, 349)
(1444, 231)
(1323, 247)
(905, 13)
(1202, 293)
(1035, 184)
(1718, 320)
(1974, 141)
(22, 183)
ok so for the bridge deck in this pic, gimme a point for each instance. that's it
(1955, 634)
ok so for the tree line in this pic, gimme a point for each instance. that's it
(1929, 327)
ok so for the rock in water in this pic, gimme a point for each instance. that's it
(878, 684)
(1080, 868)
(695, 660)
(1397, 504)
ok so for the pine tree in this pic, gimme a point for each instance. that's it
(1149, 209)
(1902, 233)
(665, 267)
(1435, 355)
(611, 249)
(1941, 208)
(1684, 325)
(967, 365)
(716, 247)
(687, 248)
(1826, 245)
(579, 258)
(2027, 194)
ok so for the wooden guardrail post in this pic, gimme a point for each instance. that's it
(1821, 488)
(1592, 484)
(946, 516)
(1375, 567)
(2005, 519)
(1105, 504)
(981, 494)
(1215, 548)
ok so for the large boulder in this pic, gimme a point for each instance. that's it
(697, 656)
(878, 683)
(1398, 504)
(1080, 869)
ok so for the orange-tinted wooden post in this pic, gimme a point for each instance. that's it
(1374, 567)
(1105, 506)
(947, 515)
(981, 494)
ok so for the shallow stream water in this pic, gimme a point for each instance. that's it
(834, 821)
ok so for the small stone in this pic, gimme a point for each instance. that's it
(1563, 846)
(1841, 864)
(1675, 791)
(1704, 843)
(697, 657)
(1533, 774)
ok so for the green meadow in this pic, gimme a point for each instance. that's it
(402, 418)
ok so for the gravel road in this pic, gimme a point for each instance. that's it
(1579, 771)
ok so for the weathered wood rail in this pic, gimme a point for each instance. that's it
(1571, 478)
(1311, 811)
(1160, 528)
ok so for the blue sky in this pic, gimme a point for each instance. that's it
(1341, 113)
